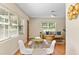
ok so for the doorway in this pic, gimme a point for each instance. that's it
(27, 30)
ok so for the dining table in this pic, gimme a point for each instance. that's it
(37, 42)
(37, 50)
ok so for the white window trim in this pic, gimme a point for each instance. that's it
(3, 23)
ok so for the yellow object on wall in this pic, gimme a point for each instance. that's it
(73, 11)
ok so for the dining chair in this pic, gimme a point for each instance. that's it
(51, 48)
(23, 49)
(30, 43)
(44, 44)
(45, 41)
(45, 51)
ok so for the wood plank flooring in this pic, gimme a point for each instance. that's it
(59, 49)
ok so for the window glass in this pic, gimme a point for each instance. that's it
(10, 24)
(1, 19)
(13, 27)
(3, 24)
(48, 26)
(20, 24)
(1, 31)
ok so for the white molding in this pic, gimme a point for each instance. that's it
(46, 18)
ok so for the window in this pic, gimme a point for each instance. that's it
(1, 31)
(13, 26)
(20, 26)
(49, 26)
(3, 24)
(10, 24)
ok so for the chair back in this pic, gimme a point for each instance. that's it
(23, 49)
(45, 41)
(52, 45)
(30, 43)
(21, 45)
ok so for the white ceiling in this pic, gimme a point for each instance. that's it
(42, 9)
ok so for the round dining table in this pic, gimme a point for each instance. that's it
(37, 42)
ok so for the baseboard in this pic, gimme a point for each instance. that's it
(14, 51)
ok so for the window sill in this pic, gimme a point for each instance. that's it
(8, 38)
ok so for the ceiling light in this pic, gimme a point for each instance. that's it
(52, 16)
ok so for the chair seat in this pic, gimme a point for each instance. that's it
(23, 49)
(36, 51)
(39, 51)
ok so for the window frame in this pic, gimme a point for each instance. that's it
(48, 26)
(5, 37)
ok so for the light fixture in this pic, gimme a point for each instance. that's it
(52, 14)
(73, 11)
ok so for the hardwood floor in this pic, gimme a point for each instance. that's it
(59, 50)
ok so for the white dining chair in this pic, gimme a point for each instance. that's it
(45, 51)
(30, 43)
(23, 49)
(45, 41)
(44, 44)
(51, 48)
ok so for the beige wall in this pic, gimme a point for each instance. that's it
(10, 46)
(35, 25)
(72, 35)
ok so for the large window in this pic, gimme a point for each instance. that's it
(3, 24)
(20, 26)
(10, 24)
(13, 25)
(48, 26)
